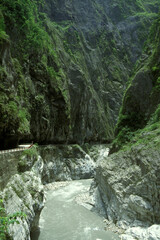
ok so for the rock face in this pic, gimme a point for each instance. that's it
(22, 191)
(142, 98)
(66, 163)
(129, 179)
(10, 163)
(65, 66)
(151, 233)
(129, 183)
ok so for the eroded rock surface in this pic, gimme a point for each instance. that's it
(63, 77)
(129, 184)
(151, 233)
(24, 193)
(66, 162)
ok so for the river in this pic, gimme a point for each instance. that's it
(63, 219)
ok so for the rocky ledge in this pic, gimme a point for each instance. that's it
(129, 184)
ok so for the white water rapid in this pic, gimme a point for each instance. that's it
(63, 219)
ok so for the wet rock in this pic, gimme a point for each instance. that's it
(66, 162)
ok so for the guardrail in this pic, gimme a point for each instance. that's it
(15, 149)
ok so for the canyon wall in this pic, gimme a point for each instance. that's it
(129, 179)
(64, 67)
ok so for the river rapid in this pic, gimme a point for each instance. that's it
(64, 219)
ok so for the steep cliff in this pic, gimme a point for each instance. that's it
(141, 100)
(22, 191)
(129, 179)
(64, 67)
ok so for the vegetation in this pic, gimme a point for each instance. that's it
(23, 25)
(35, 78)
(6, 220)
(31, 152)
(13, 117)
(131, 125)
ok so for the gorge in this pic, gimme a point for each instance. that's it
(75, 76)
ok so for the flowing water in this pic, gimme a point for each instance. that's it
(63, 219)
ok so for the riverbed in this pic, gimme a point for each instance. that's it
(64, 219)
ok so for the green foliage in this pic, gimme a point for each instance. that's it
(32, 44)
(24, 17)
(51, 71)
(124, 136)
(130, 123)
(155, 68)
(27, 160)
(129, 133)
(156, 87)
(24, 121)
(158, 82)
(3, 35)
(155, 116)
(2, 25)
(136, 8)
(6, 220)
(31, 152)
(13, 117)
(9, 113)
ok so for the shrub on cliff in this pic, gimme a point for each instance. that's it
(6, 220)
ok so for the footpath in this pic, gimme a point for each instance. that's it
(20, 148)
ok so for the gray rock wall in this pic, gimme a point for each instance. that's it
(24, 193)
(70, 90)
(129, 183)
(66, 162)
(8, 167)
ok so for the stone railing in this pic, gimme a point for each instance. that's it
(24, 147)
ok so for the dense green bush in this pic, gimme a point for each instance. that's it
(13, 117)
(3, 35)
(156, 116)
(23, 16)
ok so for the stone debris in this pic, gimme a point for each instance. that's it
(55, 185)
(110, 226)
(85, 200)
